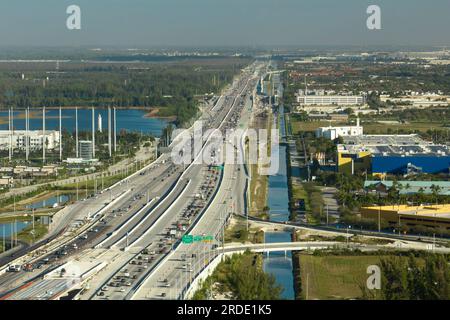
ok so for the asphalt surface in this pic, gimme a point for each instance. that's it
(165, 211)
(171, 278)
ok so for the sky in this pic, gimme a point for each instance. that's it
(147, 23)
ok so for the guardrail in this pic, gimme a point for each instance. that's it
(140, 238)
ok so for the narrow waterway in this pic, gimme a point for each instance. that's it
(280, 263)
(49, 202)
(6, 229)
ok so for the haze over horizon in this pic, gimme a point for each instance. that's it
(224, 23)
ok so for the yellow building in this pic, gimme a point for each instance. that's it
(432, 216)
(353, 162)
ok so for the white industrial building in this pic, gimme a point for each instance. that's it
(330, 100)
(333, 133)
(35, 138)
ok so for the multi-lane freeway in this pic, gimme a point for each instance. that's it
(131, 230)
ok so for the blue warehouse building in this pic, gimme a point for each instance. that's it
(395, 164)
(394, 154)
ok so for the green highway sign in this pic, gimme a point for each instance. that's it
(189, 239)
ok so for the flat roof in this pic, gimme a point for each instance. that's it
(431, 211)
(392, 145)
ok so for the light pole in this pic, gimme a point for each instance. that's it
(379, 218)
(349, 227)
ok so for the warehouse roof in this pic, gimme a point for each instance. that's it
(392, 145)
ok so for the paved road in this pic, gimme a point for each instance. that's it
(198, 184)
(173, 275)
(142, 155)
(331, 206)
(198, 179)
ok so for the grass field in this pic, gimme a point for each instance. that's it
(26, 234)
(381, 128)
(334, 277)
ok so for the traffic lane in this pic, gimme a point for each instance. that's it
(213, 229)
(170, 268)
(155, 214)
(142, 216)
(211, 220)
(155, 236)
(69, 249)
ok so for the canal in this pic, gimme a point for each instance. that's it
(279, 264)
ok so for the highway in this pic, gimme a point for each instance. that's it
(151, 203)
(178, 210)
(175, 272)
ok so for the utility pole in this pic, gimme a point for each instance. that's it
(43, 135)
(11, 235)
(379, 219)
(33, 225)
(60, 134)
(109, 132)
(76, 131)
(93, 133)
(115, 130)
(10, 135)
(27, 134)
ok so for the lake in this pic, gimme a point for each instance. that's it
(128, 119)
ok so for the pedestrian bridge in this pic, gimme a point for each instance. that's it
(283, 246)
(322, 245)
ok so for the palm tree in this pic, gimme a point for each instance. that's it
(436, 190)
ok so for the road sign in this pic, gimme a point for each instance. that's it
(189, 239)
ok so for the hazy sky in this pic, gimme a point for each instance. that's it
(224, 22)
